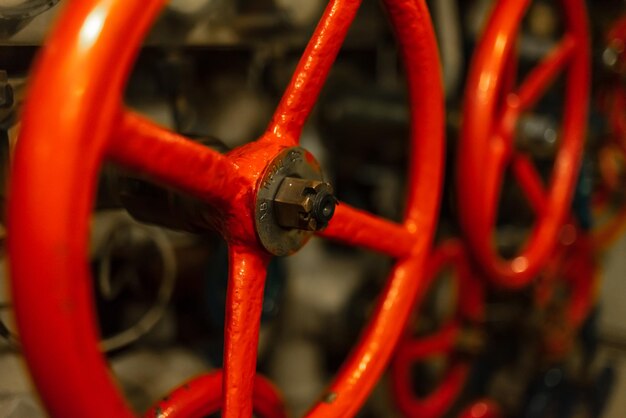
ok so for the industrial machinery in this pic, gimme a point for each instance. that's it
(333, 208)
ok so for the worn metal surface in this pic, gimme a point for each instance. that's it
(291, 162)
(304, 204)
(492, 107)
(52, 297)
(445, 342)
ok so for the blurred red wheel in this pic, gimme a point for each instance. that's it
(446, 342)
(486, 145)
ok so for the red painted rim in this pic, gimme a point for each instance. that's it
(74, 119)
(486, 145)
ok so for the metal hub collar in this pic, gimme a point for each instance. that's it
(285, 218)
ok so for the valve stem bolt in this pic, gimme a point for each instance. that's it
(304, 204)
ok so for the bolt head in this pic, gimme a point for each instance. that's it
(304, 204)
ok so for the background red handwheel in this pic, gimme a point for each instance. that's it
(74, 119)
(445, 342)
(486, 145)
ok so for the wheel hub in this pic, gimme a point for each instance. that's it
(292, 202)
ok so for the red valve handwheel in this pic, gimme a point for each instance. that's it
(572, 269)
(74, 119)
(445, 342)
(202, 396)
(493, 105)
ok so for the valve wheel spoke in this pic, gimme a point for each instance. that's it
(441, 342)
(515, 101)
(544, 74)
(312, 71)
(244, 303)
(359, 228)
(530, 181)
(145, 147)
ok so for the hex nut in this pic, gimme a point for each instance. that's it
(304, 204)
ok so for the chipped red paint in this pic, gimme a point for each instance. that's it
(411, 349)
(202, 396)
(490, 113)
(74, 119)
